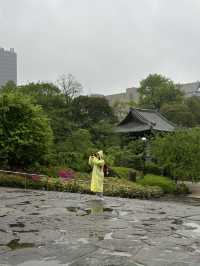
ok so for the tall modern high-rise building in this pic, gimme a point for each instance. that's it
(8, 66)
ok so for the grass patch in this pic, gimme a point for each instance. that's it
(165, 183)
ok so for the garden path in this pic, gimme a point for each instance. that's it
(56, 229)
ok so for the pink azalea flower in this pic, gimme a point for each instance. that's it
(66, 174)
(35, 178)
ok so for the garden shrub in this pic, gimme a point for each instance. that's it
(122, 172)
(26, 137)
(153, 168)
(125, 158)
(75, 151)
(81, 184)
(181, 188)
(179, 153)
(165, 183)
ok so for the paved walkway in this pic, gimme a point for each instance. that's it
(41, 228)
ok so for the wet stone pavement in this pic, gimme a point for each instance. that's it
(51, 228)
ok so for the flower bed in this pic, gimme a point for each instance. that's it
(81, 184)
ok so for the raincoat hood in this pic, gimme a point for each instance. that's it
(100, 153)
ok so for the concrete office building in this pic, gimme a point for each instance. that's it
(8, 66)
(189, 89)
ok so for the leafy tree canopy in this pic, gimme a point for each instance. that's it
(87, 111)
(155, 90)
(179, 153)
(25, 133)
(179, 113)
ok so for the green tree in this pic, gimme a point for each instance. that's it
(87, 111)
(9, 86)
(103, 135)
(193, 104)
(179, 153)
(179, 113)
(75, 150)
(155, 90)
(25, 133)
(54, 104)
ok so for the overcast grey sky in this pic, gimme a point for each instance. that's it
(107, 45)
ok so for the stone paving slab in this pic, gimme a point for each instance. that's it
(54, 228)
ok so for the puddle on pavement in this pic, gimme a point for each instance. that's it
(18, 224)
(3, 231)
(116, 253)
(41, 263)
(72, 209)
(14, 244)
(182, 200)
(177, 221)
(24, 203)
(25, 231)
(93, 210)
(96, 235)
(192, 226)
(162, 213)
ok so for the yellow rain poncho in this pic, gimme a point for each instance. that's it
(97, 172)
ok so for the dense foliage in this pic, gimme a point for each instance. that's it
(155, 90)
(80, 124)
(45, 126)
(113, 186)
(167, 185)
(25, 133)
(179, 153)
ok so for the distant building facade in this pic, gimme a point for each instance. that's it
(8, 66)
(128, 95)
(190, 89)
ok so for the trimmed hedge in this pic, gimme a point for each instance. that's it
(81, 184)
(165, 183)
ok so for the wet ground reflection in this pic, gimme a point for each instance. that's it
(48, 230)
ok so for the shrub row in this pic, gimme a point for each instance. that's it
(167, 185)
(113, 186)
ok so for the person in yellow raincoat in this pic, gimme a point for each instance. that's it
(97, 163)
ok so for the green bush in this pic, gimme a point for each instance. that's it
(123, 172)
(182, 189)
(153, 168)
(74, 152)
(179, 153)
(150, 186)
(25, 133)
(165, 183)
(126, 158)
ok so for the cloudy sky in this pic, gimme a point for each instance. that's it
(107, 45)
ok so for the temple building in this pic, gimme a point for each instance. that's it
(141, 122)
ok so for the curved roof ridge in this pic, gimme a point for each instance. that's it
(143, 109)
(164, 118)
(140, 116)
